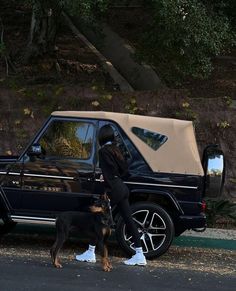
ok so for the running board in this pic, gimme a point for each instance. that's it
(33, 220)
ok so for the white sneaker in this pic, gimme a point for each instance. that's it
(87, 256)
(137, 259)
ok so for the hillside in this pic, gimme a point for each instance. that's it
(74, 79)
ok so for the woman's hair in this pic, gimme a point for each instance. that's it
(106, 134)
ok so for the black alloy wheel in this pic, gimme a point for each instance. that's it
(155, 227)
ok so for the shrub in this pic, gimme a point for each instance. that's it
(217, 209)
(183, 36)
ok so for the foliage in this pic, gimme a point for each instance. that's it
(2, 49)
(87, 9)
(228, 100)
(223, 124)
(225, 7)
(183, 36)
(131, 107)
(186, 112)
(219, 209)
(46, 18)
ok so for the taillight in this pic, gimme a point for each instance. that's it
(204, 205)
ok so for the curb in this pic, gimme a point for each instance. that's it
(210, 238)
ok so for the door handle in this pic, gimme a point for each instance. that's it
(100, 179)
(15, 183)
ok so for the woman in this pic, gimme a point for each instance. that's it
(114, 168)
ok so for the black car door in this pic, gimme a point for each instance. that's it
(61, 177)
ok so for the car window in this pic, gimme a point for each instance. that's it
(68, 139)
(118, 139)
(152, 139)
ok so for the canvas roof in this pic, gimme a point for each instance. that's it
(179, 154)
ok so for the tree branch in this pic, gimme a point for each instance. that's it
(7, 66)
(4, 53)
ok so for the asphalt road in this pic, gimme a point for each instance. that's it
(25, 265)
(21, 274)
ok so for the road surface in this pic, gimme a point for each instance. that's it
(25, 265)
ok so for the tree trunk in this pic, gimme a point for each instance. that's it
(44, 24)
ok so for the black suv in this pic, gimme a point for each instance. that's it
(58, 171)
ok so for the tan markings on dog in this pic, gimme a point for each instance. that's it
(57, 264)
(105, 252)
(104, 231)
(106, 265)
(96, 209)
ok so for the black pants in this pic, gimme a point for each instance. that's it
(119, 196)
(125, 212)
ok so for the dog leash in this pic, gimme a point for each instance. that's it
(111, 216)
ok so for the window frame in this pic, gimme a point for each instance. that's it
(66, 119)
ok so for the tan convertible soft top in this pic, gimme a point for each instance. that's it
(179, 154)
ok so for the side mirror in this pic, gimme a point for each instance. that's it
(35, 150)
(214, 169)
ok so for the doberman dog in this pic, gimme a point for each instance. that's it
(96, 224)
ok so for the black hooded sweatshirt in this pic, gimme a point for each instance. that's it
(114, 169)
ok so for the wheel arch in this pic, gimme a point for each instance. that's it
(153, 246)
(163, 198)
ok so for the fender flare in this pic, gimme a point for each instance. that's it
(159, 193)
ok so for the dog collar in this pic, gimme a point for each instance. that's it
(107, 143)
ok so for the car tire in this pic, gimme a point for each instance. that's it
(155, 226)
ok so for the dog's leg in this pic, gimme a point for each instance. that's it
(107, 232)
(62, 234)
(55, 251)
(105, 260)
(106, 264)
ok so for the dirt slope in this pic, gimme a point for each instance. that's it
(75, 80)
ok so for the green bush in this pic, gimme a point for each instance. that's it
(88, 9)
(217, 209)
(183, 36)
(226, 7)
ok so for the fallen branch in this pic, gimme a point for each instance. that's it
(107, 65)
